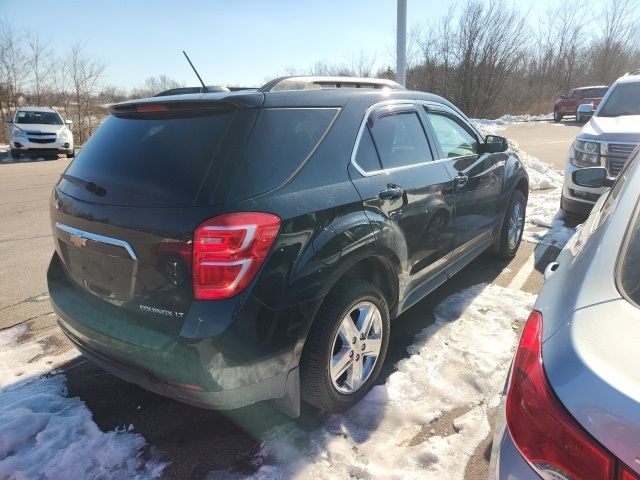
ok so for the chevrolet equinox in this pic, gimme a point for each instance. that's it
(232, 247)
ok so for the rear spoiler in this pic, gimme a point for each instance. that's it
(184, 103)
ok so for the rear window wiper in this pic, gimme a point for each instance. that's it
(88, 186)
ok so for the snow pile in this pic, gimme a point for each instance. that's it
(44, 434)
(545, 221)
(459, 362)
(492, 126)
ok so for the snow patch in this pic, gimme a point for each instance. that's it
(545, 221)
(492, 126)
(46, 435)
(458, 362)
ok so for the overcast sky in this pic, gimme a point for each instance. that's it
(236, 42)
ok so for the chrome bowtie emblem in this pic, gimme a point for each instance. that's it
(77, 240)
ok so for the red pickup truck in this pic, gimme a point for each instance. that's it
(568, 104)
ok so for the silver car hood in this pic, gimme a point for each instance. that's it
(625, 128)
(590, 333)
(39, 127)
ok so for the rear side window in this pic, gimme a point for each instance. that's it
(366, 155)
(281, 141)
(400, 140)
(150, 161)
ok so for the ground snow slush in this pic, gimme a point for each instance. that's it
(458, 362)
(46, 435)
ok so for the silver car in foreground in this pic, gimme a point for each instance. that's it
(572, 409)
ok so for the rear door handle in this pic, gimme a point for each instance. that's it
(462, 179)
(391, 192)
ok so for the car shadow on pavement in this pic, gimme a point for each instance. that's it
(6, 159)
(195, 441)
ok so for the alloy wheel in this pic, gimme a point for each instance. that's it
(516, 222)
(356, 348)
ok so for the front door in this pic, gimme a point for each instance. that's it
(476, 177)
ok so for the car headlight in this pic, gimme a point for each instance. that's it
(586, 153)
(64, 134)
(17, 132)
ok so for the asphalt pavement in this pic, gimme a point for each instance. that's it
(198, 441)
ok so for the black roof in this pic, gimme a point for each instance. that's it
(316, 97)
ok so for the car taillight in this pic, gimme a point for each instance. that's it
(546, 435)
(228, 251)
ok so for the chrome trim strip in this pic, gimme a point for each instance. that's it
(97, 238)
(363, 124)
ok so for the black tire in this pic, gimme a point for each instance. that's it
(317, 386)
(557, 116)
(15, 154)
(505, 248)
(71, 153)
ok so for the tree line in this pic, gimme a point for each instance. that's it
(489, 57)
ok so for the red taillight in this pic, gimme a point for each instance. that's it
(625, 473)
(228, 251)
(150, 107)
(553, 442)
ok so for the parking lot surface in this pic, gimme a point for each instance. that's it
(197, 442)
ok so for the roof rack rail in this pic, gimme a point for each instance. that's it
(634, 72)
(317, 83)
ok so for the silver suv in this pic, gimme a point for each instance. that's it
(39, 130)
(607, 140)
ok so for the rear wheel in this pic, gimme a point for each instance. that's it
(15, 154)
(346, 346)
(512, 226)
(71, 153)
(557, 116)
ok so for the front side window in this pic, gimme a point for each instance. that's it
(454, 139)
(400, 140)
(624, 99)
(38, 118)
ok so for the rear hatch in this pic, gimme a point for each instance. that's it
(124, 212)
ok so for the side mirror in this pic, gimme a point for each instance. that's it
(494, 144)
(69, 122)
(594, 177)
(585, 109)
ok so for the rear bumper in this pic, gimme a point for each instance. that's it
(507, 463)
(223, 370)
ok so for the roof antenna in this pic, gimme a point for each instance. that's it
(204, 87)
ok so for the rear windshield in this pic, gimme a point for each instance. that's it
(197, 159)
(624, 99)
(149, 161)
(594, 92)
(38, 118)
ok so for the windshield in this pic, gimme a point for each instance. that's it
(624, 99)
(46, 118)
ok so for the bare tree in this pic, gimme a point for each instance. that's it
(153, 85)
(40, 67)
(84, 75)
(619, 35)
(362, 64)
(13, 72)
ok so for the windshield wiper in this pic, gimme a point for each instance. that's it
(88, 186)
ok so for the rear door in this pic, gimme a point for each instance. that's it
(407, 196)
(476, 177)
